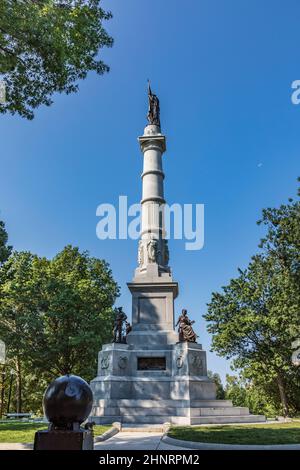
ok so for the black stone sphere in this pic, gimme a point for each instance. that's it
(67, 400)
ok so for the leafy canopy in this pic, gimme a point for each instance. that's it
(54, 316)
(46, 46)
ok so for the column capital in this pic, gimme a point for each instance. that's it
(148, 141)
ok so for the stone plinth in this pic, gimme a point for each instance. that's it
(175, 390)
(152, 312)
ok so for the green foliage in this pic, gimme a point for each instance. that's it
(220, 392)
(5, 250)
(256, 317)
(245, 393)
(46, 46)
(54, 316)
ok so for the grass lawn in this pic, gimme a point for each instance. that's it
(24, 432)
(99, 430)
(279, 433)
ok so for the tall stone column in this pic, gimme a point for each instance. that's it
(153, 289)
(153, 253)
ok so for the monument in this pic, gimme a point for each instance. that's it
(156, 374)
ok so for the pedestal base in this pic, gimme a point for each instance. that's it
(167, 384)
(64, 440)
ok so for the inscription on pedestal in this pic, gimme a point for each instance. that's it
(151, 363)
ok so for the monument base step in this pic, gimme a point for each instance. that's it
(109, 402)
(178, 420)
(180, 412)
(136, 412)
(222, 419)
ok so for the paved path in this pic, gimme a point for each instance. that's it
(136, 441)
(15, 446)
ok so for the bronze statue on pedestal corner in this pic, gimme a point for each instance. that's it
(119, 335)
(128, 327)
(185, 329)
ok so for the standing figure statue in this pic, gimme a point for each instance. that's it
(119, 322)
(153, 115)
(185, 329)
(152, 249)
(128, 327)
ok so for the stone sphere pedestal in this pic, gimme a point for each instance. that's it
(67, 403)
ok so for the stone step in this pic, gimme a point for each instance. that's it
(105, 419)
(143, 428)
(220, 411)
(148, 419)
(224, 419)
(138, 411)
(162, 411)
(108, 411)
(159, 403)
(178, 420)
(170, 411)
(211, 403)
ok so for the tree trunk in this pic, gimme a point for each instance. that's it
(3, 374)
(283, 397)
(18, 386)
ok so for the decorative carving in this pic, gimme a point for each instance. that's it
(152, 250)
(166, 252)
(185, 329)
(153, 115)
(119, 323)
(179, 362)
(122, 362)
(141, 258)
(105, 362)
(197, 362)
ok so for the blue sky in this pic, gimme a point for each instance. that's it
(223, 71)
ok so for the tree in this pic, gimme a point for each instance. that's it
(54, 316)
(220, 392)
(77, 313)
(5, 250)
(256, 317)
(46, 46)
(243, 392)
(21, 295)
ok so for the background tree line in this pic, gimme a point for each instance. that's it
(256, 317)
(54, 317)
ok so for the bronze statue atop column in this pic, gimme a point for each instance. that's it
(185, 329)
(153, 115)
